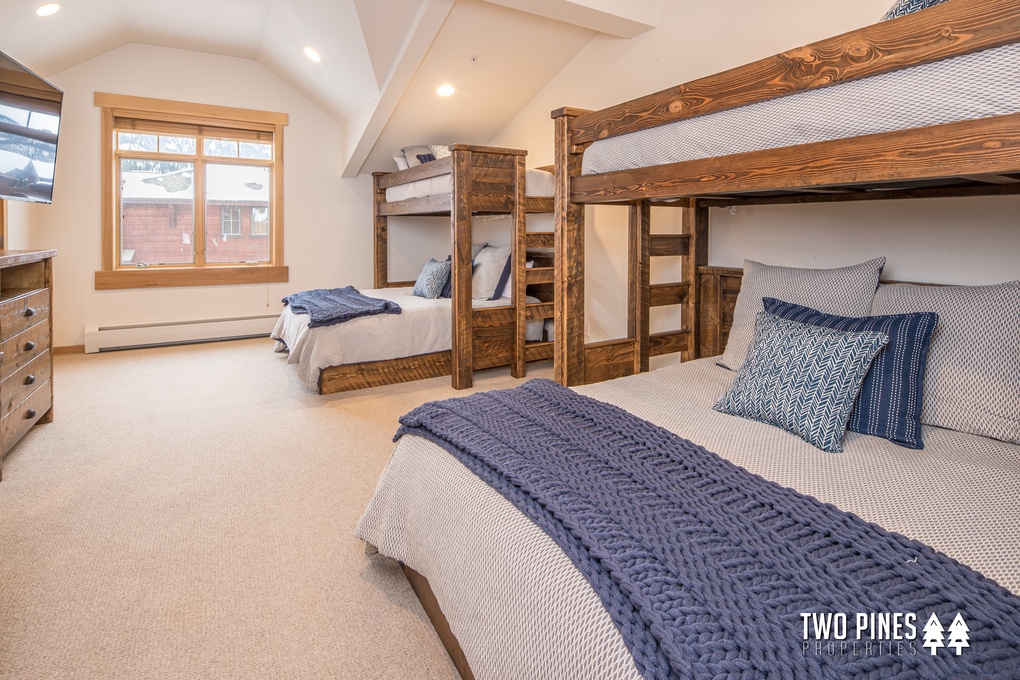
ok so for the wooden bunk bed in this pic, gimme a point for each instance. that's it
(965, 158)
(485, 180)
(969, 158)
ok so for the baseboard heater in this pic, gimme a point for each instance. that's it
(104, 338)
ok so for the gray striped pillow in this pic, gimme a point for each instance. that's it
(972, 383)
(846, 291)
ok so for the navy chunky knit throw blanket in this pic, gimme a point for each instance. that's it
(328, 306)
(708, 570)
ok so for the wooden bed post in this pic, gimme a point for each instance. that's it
(381, 254)
(519, 219)
(568, 349)
(695, 225)
(460, 224)
(639, 281)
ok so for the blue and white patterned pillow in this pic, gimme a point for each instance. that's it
(907, 6)
(889, 404)
(802, 378)
(433, 278)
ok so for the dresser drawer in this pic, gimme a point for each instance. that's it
(24, 311)
(16, 387)
(26, 414)
(22, 348)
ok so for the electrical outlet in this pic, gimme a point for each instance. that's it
(587, 329)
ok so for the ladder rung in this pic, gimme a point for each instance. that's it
(540, 239)
(667, 343)
(666, 245)
(539, 275)
(668, 294)
(539, 310)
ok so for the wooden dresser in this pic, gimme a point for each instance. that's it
(26, 329)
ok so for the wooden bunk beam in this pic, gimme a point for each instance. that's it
(985, 146)
(946, 30)
(695, 226)
(569, 353)
(640, 290)
(381, 252)
(519, 253)
(460, 226)
(879, 194)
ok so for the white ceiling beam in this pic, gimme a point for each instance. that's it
(622, 18)
(360, 133)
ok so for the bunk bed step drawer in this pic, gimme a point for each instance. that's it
(535, 351)
(663, 294)
(669, 245)
(668, 342)
(539, 275)
(541, 239)
(539, 310)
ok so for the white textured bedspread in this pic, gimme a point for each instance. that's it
(537, 183)
(521, 609)
(423, 326)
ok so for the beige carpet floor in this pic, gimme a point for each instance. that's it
(188, 514)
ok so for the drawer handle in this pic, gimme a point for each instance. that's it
(29, 346)
(30, 413)
(30, 311)
(29, 379)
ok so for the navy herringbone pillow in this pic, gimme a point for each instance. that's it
(889, 404)
(802, 378)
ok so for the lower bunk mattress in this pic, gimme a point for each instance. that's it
(422, 327)
(520, 608)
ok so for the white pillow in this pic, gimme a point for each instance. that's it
(439, 150)
(846, 291)
(411, 154)
(489, 266)
(401, 162)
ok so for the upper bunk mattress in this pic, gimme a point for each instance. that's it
(968, 87)
(537, 183)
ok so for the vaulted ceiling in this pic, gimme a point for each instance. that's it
(381, 60)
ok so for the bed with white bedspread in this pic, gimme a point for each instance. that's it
(518, 606)
(422, 327)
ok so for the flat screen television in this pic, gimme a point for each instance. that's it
(29, 123)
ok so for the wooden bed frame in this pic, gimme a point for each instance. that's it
(968, 158)
(486, 180)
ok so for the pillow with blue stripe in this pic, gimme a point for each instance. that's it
(802, 378)
(433, 278)
(889, 404)
(907, 6)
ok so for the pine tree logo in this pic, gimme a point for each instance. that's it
(933, 637)
(958, 638)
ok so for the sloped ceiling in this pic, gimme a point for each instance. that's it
(381, 60)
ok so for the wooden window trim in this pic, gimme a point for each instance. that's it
(246, 122)
(3, 225)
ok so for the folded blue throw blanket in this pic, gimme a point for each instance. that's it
(328, 306)
(709, 570)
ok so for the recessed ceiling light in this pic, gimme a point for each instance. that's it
(48, 9)
(445, 90)
(312, 54)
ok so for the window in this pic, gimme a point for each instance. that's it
(230, 217)
(192, 194)
(260, 221)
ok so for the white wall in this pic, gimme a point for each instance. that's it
(968, 241)
(327, 220)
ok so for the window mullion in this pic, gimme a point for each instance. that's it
(200, 210)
